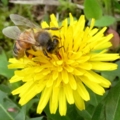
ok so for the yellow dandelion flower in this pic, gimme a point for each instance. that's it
(63, 77)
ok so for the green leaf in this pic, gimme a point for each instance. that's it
(31, 104)
(22, 114)
(109, 108)
(94, 99)
(6, 105)
(72, 114)
(55, 116)
(92, 9)
(85, 113)
(5, 88)
(4, 115)
(91, 105)
(116, 4)
(5, 2)
(105, 21)
(3, 65)
(37, 118)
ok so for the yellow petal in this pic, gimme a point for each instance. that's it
(65, 76)
(69, 94)
(102, 81)
(82, 90)
(44, 25)
(54, 100)
(44, 99)
(103, 66)
(78, 101)
(92, 23)
(15, 78)
(71, 19)
(104, 57)
(53, 22)
(28, 95)
(93, 86)
(86, 66)
(62, 102)
(72, 82)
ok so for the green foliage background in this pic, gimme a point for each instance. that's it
(107, 107)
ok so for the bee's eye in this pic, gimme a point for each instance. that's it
(55, 42)
(50, 49)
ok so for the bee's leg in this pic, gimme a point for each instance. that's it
(55, 37)
(60, 47)
(53, 28)
(33, 47)
(28, 54)
(45, 53)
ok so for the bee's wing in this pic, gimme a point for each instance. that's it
(12, 32)
(20, 20)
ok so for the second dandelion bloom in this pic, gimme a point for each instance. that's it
(63, 77)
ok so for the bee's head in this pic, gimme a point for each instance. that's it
(43, 38)
(52, 46)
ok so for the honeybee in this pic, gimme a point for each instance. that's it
(29, 39)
